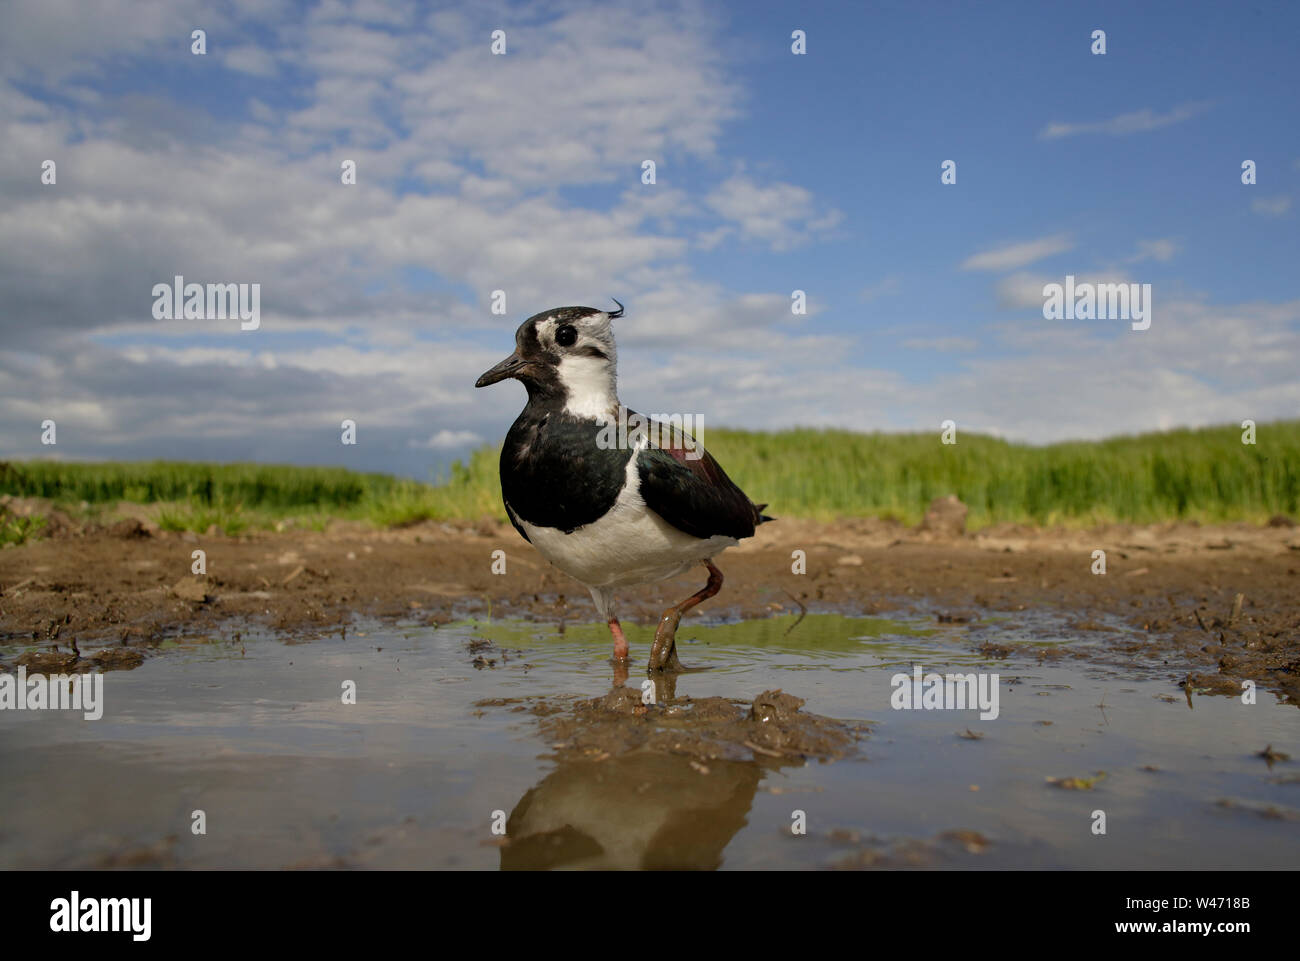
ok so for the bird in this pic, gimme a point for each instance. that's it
(612, 515)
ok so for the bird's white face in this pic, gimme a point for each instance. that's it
(586, 362)
(567, 352)
(567, 336)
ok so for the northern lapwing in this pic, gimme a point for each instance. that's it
(610, 515)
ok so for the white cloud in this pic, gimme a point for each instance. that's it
(1018, 255)
(780, 215)
(943, 345)
(1037, 381)
(1021, 290)
(549, 112)
(60, 39)
(450, 440)
(886, 287)
(1041, 381)
(711, 239)
(1139, 121)
(1271, 206)
(1163, 250)
(251, 60)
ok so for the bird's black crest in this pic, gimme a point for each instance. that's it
(568, 315)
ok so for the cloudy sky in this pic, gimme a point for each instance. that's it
(522, 172)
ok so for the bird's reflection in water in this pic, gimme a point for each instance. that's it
(640, 810)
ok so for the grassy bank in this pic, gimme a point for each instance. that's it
(236, 497)
(1206, 475)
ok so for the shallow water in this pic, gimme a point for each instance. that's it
(254, 734)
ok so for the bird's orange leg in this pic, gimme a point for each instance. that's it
(663, 655)
(620, 642)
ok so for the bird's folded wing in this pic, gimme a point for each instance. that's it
(685, 486)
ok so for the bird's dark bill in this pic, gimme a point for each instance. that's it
(509, 367)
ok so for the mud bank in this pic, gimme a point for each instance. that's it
(1215, 604)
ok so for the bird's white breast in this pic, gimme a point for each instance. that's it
(631, 544)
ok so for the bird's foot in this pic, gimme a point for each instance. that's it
(663, 655)
(668, 665)
(665, 686)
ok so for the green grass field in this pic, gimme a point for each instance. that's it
(1205, 475)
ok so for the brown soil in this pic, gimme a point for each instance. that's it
(1177, 586)
(770, 729)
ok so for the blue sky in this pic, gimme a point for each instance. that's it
(522, 172)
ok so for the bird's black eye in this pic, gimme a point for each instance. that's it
(566, 335)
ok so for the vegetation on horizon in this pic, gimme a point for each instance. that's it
(1205, 475)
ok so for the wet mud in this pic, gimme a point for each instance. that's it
(1215, 605)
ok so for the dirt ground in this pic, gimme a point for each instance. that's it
(1216, 604)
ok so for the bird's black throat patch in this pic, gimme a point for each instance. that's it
(553, 473)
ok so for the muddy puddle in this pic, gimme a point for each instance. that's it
(781, 751)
